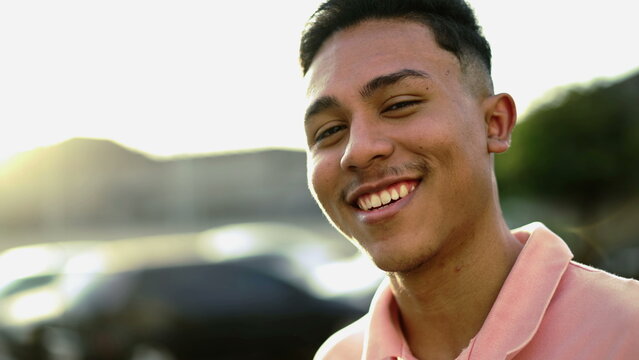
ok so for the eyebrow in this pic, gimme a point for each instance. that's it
(389, 79)
(319, 105)
(327, 102)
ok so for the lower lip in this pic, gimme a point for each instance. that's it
(386, 212)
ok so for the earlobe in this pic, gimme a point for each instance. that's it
(501, 116)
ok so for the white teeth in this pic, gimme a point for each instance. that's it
(369, 204)
(385, 196)
(376, 201)
(394, 194)
(362, 204)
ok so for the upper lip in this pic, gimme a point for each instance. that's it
(373, 187)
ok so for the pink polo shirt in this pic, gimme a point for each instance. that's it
(548, 308)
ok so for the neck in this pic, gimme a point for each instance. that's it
(444, 302)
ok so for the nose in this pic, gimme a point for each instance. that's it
(367, 144)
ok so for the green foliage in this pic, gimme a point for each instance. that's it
(581, 150)
(574, 164)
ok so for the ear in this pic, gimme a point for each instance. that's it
(501, 116)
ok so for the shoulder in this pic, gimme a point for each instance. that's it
(602, 284)
(592, 315)
(346, 344)
(604, 296)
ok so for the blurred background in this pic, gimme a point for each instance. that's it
(153, 198)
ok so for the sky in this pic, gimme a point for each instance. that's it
(193, 77)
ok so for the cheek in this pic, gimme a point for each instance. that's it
(450, 148)
(430, 139)
(320, 178)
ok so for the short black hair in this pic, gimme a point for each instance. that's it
(453, 24)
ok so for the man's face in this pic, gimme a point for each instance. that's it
(398, 155)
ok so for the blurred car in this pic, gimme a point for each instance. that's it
(28, 296)
(236, 309)
(333, 268)
(30, 266)
(238, 292)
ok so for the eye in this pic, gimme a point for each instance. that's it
(401, 105)
(328, 132)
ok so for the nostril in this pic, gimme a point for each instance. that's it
(363, 154)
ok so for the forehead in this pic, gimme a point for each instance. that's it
(372, 48)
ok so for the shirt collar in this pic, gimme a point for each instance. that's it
(513, 319)
(384, 339)
(525, 295)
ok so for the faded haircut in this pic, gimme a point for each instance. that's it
(452, 22)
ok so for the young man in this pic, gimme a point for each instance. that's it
(402, 125)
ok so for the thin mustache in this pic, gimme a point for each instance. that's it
(379, 173)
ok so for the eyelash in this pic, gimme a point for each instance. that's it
(401, 105)
(328, 132)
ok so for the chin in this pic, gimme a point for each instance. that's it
(393, 253)
(398, 267)
(392, 261)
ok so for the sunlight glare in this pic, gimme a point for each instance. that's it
(37, 304)
(27, 261)
(354, 274)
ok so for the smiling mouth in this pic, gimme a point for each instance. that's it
(375, 200)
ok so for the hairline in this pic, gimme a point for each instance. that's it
(469, 62)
